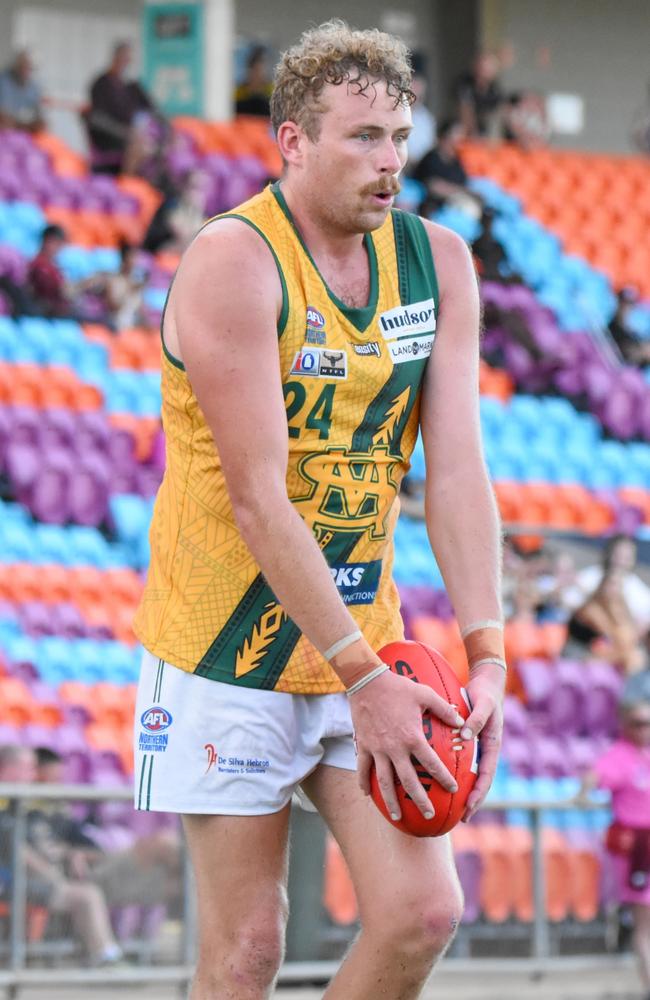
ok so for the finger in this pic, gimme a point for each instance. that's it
(478, 719)
(386, 782)
(439, 707)
(490, 745)
(364, 764)
(431, 762)
(413, 786)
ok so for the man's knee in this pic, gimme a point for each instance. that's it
(420, 929)
(249, 954)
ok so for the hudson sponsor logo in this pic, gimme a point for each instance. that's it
(414, 349)
(357, 583)
(372, 347)
(315, 362)
(403, 321)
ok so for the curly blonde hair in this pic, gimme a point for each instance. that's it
(335, 53)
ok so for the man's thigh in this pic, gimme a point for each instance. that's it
(240, 868)
(388, 867)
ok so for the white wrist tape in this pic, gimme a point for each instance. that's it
(475, 626)
(381, 669)
(342, 644)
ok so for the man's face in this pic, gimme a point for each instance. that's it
(23, 67)
(122, 59)
(21, 768)
(52, 773)
(350, 172)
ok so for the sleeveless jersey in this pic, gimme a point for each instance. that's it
(351, 379)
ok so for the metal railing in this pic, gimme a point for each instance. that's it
(18, 974)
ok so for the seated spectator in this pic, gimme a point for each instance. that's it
(122, 292)
(624, 770)
(117, 107)
(47, 884)
(146, 874)
(619, 553)
(524, 119)
(633, 350)
(253, 95)
(479, 98)
(48, 293)
(20, 96)
(179, 217)
(604, 625)
(488, 252)
(443, 174)
(422, 136)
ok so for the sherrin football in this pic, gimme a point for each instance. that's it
(424, 665)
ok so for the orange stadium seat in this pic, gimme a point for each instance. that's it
(339, 898)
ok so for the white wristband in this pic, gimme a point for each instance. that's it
(342, 644)
(498, 660)
(381, 669)
(475, 626)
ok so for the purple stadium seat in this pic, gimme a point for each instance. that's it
(536, 678)
(516, 721)
(604, 684)
(48, 496)
(36, 618)
(469, 865)
(566, 697)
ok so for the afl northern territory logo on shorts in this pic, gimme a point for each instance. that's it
(155, 721)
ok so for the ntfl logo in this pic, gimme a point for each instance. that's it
(156, 719)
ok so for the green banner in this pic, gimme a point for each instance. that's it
(173, 56)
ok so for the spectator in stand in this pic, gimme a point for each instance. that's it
(47, 885)
(524, 119)
(633, 350)
(624, 770)
(619, 553)
(641, 126)
(45, 280)
(479, 97)
(122, 292)
(179, 217)
(119, 109)
(147, 873)
(253, 95)
(20, 96)
(488, 252)
(604, 625)
(443, 174)
(422, 136)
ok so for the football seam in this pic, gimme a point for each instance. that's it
(446, 690)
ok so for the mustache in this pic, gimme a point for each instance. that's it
(390, 186)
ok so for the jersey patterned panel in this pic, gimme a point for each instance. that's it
(351, 380)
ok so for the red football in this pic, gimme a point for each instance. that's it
(424, 665)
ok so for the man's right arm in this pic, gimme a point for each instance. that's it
(223, 314)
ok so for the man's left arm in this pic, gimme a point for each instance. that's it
(461, 513)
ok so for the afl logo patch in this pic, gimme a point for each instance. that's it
(314, 318)
(156, 719)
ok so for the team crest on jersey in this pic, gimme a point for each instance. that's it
(315, 332)
(317, 362)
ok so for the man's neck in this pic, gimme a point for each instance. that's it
(320, 236)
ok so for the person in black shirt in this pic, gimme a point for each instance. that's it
(633, 350)
(479, 96)
(443, 174)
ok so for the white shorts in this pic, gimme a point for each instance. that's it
(202, 746)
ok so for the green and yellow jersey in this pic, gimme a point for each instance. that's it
(352, 380)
